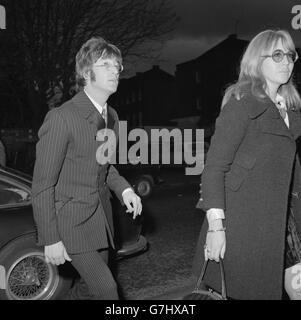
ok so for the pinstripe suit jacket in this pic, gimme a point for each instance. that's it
(70, 190)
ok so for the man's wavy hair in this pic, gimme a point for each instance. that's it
(251, 77)
(89, 53)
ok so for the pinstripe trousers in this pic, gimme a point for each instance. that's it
(96, 282)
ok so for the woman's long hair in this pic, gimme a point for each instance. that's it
(251, 77)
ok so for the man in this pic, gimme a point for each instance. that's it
(71, 196)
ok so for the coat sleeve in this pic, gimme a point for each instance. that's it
(230, 129)
(115, 181)
(50, 154)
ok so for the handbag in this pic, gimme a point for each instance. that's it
(202, 292)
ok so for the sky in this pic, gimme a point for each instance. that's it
(204, 23)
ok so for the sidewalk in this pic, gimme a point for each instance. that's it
(176, 293)
(171, 226)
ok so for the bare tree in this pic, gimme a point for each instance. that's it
(43, 37)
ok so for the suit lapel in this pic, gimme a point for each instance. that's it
(110, 118)
(84, 104)
(272, 123)
(269, 117)
(86, 109)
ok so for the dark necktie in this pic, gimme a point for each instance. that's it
(99, 120)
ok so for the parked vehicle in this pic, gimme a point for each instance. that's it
(144, 178)
(24, 274)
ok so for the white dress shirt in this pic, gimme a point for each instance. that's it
(101, 109)
(280, 103)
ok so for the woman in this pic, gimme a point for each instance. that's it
(251, 180)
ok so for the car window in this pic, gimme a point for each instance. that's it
(12, 194)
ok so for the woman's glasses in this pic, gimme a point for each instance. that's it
(278, 56)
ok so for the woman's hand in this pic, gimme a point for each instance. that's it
(215, 246)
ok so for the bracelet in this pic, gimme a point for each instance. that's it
(222, 229)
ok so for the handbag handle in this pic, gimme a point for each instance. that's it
(200, 280)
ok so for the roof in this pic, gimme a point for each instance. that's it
(229, 44)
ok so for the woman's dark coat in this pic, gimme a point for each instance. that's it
(248, 173)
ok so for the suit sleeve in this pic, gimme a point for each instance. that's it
(231, 127)
(50, 154)
(115, 181)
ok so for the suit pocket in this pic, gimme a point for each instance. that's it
(77, 211)
(274, 126)
(60, 204)
(240, 168)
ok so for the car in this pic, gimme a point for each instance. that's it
(24, 273)
(143, 177)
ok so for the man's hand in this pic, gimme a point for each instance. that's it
(56, 253)
(132, 202)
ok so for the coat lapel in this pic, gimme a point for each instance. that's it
(110, 118)
(270, 119)
(86, 109)
(84, 104)
(294, 117)
(271, 122)
(268, 115)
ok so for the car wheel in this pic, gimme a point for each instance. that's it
(28, 276)
(144, 187)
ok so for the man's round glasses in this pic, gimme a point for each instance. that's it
(278, 56)
(109, 66)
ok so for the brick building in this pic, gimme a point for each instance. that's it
(146, 98)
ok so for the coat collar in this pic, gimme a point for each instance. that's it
(84, 104)
(110, 118)
(270, 116)
(294, 117)
(256, 106)
(87, 110)
(270, 111)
